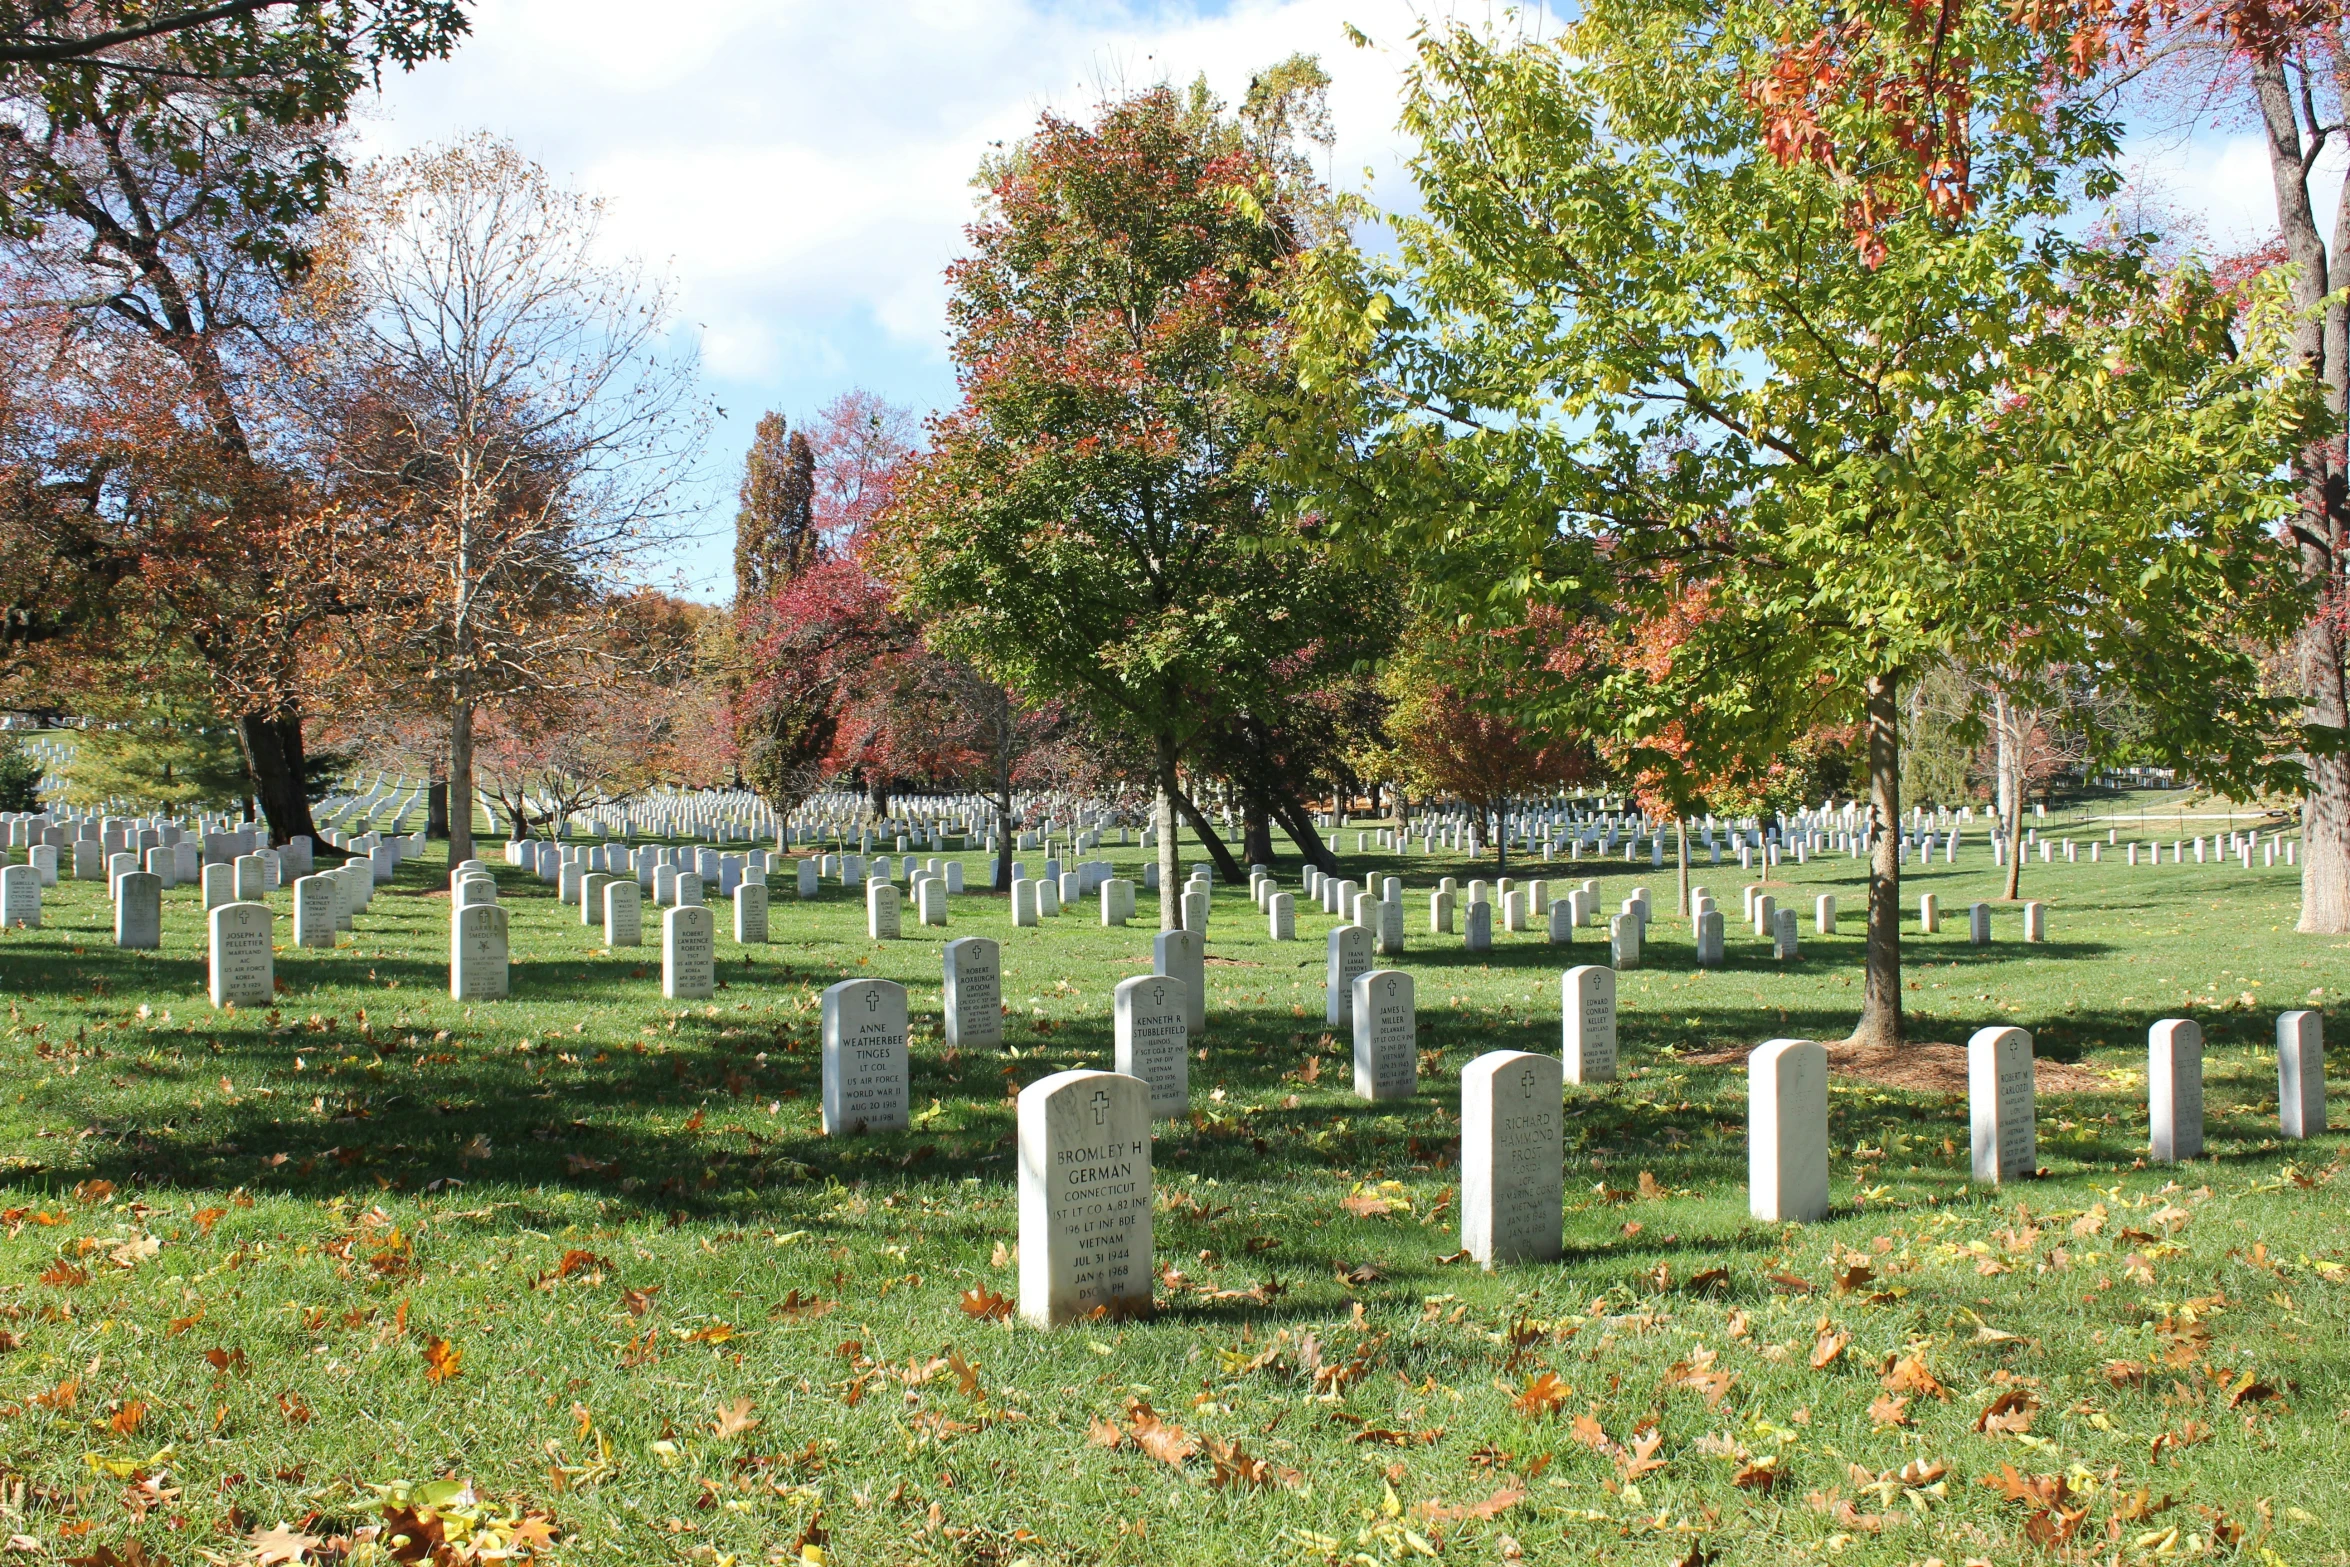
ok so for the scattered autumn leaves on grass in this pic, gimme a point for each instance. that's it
(1229, 1464)
(442, 1360)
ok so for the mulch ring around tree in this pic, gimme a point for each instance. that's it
(1926, 1068)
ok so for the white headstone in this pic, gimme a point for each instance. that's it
(1710, 941)
(689, 953)
(867, 1086)
(624, 914)
(2174, 1089)
(2000, 1106)
(20, 898)
(808, 878)
(1978, 924)
(1478, 937)
(242, 968)
(1346, 953)
(1623, 941)
(973, 995)
(930, 902)
(478, 953)
(1024, 911)
(750, 913)
(2301, 1073)
(138, 910)
(1151, 1020)
(1179, 954)
(1787, 1131)
(1386, 1030)
(1513, 1191)
(1562, 922)
(1281, 916)
(1387, 933)
(1085, 1197)
(1929, 914)
(1823, 914)
(317, 899)
(1587, 1006)
(881, 911)
(687, 890)
(2035, 922)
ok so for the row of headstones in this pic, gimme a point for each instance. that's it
(2213, 850)
(1086, 1243)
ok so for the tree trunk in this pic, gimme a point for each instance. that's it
(436, 809)
(2014, 829)
(2322, 341)
(1163, 821)
(273, 742)
(1229, 868)
(1880, 1009)
(461, 782)
(1300, 823)
(877, 798)
(1256, 828)
(1681, 856)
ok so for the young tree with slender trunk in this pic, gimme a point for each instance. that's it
(510, 409)
(1684, 310)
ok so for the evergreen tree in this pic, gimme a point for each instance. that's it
(775, 529)
(20, 777)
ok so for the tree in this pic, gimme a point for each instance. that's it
(20, 776)
(1641, 342)
(1098, 524)
(508, 412)
(132, 67)
(1458, 702)
(797, 657)
(775, 536)
(164, 291)
(2285, 67)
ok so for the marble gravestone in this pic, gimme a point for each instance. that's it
(1787, 1131)
(750, 913)
(881, 911)
(1386, 1030)
(808, 879)
(1151, 1019)
(1710, 942)
(478, 966)
(316, 901)
(930, 903)
(1587, 1009)
(1178, 955)
(624, 914)
(220, 886)
(1024, 912)
(1347, 954)
(2000, 1106)
(973, 994)
(2301, 1073)
(1281, 916)
(1478, 936)
(20, 898)
(591, 897)
(1388, 931)
(689, 953)
(242, 967)
(1513, 1151)
(2174, 1090)
(1085, 1198)
(867, 1085)
(138, 910)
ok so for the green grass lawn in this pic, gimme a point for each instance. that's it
(586, 1251)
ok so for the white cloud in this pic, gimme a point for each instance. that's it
(802, 170)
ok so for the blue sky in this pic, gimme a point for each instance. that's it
(801, 171)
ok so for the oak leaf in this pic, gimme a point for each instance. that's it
(1541, 1396)
(733, 1418)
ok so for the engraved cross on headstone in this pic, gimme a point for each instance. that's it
(1526, 1083)
(1101, 1108)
